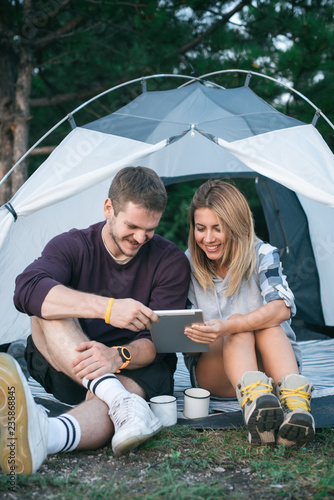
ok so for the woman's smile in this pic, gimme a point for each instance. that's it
(208, 234)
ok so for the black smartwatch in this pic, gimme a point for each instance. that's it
(125, 355)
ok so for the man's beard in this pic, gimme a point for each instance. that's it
(118, 244)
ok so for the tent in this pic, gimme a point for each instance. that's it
(197, 130)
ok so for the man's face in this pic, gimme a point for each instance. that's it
(128, 231)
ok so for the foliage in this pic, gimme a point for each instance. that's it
(80, 45)
(182, 463)
(80, 48)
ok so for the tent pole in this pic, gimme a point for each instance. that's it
(190, 79)
(143, 85)
(248, 79)
(69, 116)
(316, 117)
(291, 89)
(71, 121)
(32, 148)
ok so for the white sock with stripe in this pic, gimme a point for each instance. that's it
(106, 387)
(64, 434)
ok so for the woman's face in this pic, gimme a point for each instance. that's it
(208, 234)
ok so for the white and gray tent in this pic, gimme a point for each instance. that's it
(198, 130)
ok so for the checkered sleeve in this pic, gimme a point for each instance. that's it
(273, 282)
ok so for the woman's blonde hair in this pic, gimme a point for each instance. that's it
(236, 221)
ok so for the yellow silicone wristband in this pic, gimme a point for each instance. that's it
(108, 311)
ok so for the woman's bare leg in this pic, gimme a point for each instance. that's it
(220, 369)
(276, 352)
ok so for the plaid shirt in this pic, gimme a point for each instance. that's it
(272, 281)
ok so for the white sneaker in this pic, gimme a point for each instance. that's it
(23, 424)
(134, 423)
(261, 409)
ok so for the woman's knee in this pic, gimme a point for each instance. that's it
(267, 337)
(239, 338)
(275, 331)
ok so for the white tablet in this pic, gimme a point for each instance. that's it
(168, 334)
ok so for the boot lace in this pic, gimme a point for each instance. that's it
(253, 391)
(296, 399)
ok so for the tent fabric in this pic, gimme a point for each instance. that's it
(250, 138)
(237, 114)
(321, 228)
(291, 236)
(266, 154)
(67, 191)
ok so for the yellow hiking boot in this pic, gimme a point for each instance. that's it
(261, 409)
(294, 394)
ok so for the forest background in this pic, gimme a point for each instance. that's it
(56, 54)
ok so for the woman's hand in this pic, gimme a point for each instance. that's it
(266, 316)
(209, 332)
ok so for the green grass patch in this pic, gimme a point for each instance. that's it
(181, 463)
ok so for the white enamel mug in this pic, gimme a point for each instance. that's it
(196, 402)
(164, 408)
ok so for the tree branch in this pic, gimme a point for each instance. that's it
(44, 102)
(63, 30)
(127, 4)
(224, 19)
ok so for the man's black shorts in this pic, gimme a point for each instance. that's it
(155, 379)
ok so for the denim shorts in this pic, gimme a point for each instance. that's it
(191, 362)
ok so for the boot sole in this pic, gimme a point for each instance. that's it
(15, 456)
(133, 442)
(265, 420)
(297, 431)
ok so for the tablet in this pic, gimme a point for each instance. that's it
(168, 334)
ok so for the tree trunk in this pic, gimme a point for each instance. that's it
(7, 95)
(22, 113)
(16, 64)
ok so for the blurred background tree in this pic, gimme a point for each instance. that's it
(56, 54)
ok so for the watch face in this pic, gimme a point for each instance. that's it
(126, 354)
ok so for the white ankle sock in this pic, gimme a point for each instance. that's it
(64, 434)
(106, 387)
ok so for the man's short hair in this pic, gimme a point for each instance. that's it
(140, 185)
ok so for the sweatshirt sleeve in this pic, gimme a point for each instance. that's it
(52, 268)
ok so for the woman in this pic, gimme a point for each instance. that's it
(237, 281)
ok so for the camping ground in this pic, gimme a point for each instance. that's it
(183, 463)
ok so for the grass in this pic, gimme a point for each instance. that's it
(181, 463)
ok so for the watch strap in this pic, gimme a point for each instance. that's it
(126, 360)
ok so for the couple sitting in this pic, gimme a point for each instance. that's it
(91, 297)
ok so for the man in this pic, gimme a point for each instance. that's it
(92, 296)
